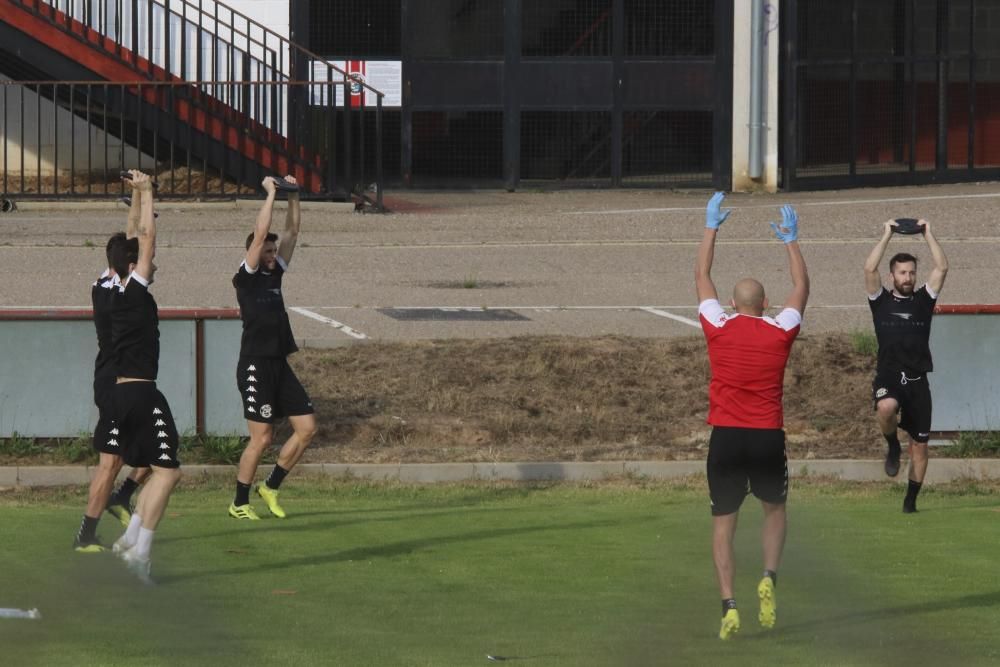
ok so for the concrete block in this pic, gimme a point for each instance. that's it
(846, 469)
(664, 469)
(436, 472)
(52, 475)
(373, 471)
(8, 476)
(568, 471)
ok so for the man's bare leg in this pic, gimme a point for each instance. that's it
(303, 431)
(108, 466)
(887, 411)
(723, 531)
(261, 436)
(772, 539)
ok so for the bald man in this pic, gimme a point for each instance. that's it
(746, 453)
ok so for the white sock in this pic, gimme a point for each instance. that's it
(131, 535)
(145, 543)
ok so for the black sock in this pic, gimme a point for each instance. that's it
(123, 494)
(911, 494)
(773, 575)
(727, 604)
(88, 529)
(242, 494)
(276, 477)
(893, 441)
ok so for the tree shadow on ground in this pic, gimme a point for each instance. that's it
(393, 549)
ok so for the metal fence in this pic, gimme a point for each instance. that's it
(890, 92)
(245, 86)
(555, 93)
(72, 138)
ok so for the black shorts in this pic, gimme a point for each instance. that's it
(106, 440)
(913, 394)
(746, 460)
(270, 390)
(147, 433)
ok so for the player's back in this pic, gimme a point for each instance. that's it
(748, 356)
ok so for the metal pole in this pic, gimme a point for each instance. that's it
(378, 156)
(756, 157)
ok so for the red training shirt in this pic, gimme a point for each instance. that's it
(748, 356)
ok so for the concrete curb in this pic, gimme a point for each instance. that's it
(939, 471)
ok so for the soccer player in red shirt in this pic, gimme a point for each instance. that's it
(746, 454)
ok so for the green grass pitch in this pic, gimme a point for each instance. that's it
(616, 573)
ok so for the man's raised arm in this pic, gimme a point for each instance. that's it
(286, 244)
(134, 213)
(147, 225)
(788, 233)
(940, 271)
(262, 227)
(873, 281)
(714, 217)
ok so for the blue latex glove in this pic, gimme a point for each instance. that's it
(789, 229)
(714, 215)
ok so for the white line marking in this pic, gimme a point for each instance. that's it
(678, 318)
(334, 323)
(848, 202)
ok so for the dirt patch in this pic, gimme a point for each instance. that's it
(568, 399)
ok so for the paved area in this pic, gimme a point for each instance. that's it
(486, 264)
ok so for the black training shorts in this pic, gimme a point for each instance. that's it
(147, 433)
(106, 440)
(913, 394)
(270, 390)
(746, 460)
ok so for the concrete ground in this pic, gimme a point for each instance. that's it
(485, 264)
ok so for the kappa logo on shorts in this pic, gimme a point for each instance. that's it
(164, 445)
(250, 409)
(160, 422)
(157, 411)
(251, 390)
(251, 399)
(112, 442)
(251, 379)
(113, 431)
(265, 411)
(251, 367)
(165, 457)
(882, 391)
(161, 434)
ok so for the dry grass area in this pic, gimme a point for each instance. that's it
(180, 182)
(568, 399)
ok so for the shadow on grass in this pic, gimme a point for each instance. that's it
(270, 524)
(875, 615)
(393, 549)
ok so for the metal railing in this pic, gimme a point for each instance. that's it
(223, 51)
(70, 139)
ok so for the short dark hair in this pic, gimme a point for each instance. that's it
(122, 252)
(115, 238)
(901, 258)
(271, 236)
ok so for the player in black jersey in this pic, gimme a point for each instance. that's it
(143, 418)
(106, 435)
(266, 382)
(902, 320)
